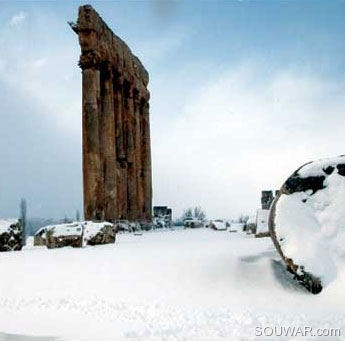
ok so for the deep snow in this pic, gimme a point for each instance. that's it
(177, 285)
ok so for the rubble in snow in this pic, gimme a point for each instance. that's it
(60, 235)
(99, 233)
(11, 235)
(218, 225)
(75, 234)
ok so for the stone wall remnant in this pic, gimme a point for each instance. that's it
(266, 199)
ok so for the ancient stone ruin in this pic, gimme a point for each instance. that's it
(266, 199)
(75, 234)
(60, 235)
(116, 126)
(307, 222)
(99, 233)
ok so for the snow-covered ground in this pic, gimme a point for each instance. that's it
(166, 285)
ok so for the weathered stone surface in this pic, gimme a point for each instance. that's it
(53, 242)
(99, 233)
(116, 125)
(60, 235)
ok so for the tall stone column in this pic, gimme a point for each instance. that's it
(121, 161)
(107, 139)
(119, 110)
(131, 157)
(92, 172)
(138, 154)
(146, 154)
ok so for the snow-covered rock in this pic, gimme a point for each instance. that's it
(75, 234)
(99, 233)
(308, 221)
(11, 235)
(218, 224)
(5, 224)
(60, 235)
(192, 223)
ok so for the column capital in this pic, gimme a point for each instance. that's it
(89, 60)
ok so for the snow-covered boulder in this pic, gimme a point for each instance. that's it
(60, 235)
(11, 235)
(307, 222)
(192, 223)
(122, 226)
(218, 225)
(99, 233)
(75, 234)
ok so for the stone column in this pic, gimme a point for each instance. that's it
(107, 139)
(121, 162)
(119, 116)
(92, 173)
(138, 154)
(146, 154)
(130, 149)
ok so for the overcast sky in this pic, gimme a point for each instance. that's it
(242, 93)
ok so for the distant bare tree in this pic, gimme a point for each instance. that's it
(23, 218)
(77, 215)
(193, 212)
(199, 213)
(188, 213)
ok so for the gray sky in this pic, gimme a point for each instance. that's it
(243, 93)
